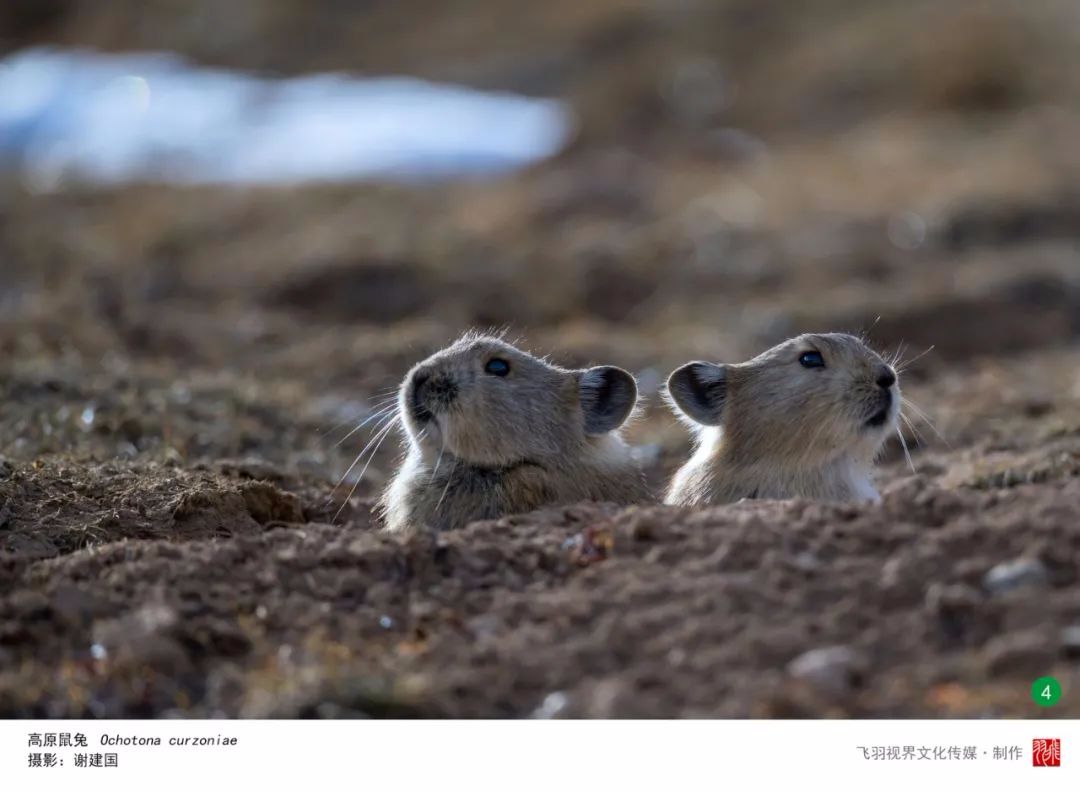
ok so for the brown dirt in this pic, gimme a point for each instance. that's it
(177, 367)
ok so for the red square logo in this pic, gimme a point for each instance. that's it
(1046, 752)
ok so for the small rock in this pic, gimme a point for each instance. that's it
(836, 669)
(552, 706)
(1022, 654)
(894, 572)
(604, 699)
(1070, 642)
(1020, 573)
(807, 562)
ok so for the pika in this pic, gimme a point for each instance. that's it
(492, 430)
(807, 418)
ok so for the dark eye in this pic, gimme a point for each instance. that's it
(812, 360)
(497, 366)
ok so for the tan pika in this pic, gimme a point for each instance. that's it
(493, 430)
(807, 418)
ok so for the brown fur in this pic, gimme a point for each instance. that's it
(771, 428)
(479, 445)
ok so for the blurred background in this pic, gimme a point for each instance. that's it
(225, 227)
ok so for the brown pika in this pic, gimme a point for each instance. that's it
(807, 418)
(492, 430)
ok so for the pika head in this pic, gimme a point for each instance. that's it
(805, 418)
(486, 402)
(492, 429)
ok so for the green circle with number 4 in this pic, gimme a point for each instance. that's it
(1046, 691)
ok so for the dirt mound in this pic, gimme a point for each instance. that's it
(936, 603)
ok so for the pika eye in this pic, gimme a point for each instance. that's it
(812, 360)
(497, 366)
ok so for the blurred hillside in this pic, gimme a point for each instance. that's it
(637, 71)
(744, 170)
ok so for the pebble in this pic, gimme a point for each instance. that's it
(835, 669)
(552, 705)
(1070, 641)
(806, 561)
(1019, 573)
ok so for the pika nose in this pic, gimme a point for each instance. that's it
(431, 389)
(886, 377)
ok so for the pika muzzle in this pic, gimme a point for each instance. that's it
(432, 391)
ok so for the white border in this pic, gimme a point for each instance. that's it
(525, 755)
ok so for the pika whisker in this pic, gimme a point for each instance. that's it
(911, 427)
(333, 428)
(919, 413)
(386, 423)
(381, 436)
(374, 416)
(905, 364)
(376, 404)
(446, 488)
(898, 355)
(438, 461)
(903, 444)
(864, 335)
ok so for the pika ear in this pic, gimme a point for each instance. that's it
(608, 396)
(699, 390)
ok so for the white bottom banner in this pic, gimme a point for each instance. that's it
(706, 754)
